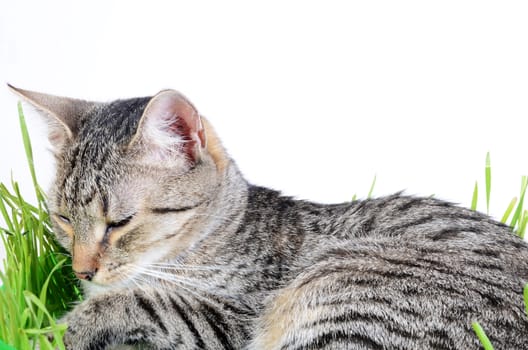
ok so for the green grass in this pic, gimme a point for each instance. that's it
(517, 223)
(486, 344)
(38, 285)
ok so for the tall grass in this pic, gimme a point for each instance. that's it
(37, 283)
(517, 223)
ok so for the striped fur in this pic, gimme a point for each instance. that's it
(188, 255)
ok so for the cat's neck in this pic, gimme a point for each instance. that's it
(271, 224)
(223, 215)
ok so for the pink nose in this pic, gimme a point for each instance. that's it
(85, 275)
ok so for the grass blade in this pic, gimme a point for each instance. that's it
(4, 346)
(520, 205)
(522, 226)
(29, 152)
(474, 200)
(372, 187)
(526, 298)
(509, 210)
(484, 340)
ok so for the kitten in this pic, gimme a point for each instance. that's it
(177, 251)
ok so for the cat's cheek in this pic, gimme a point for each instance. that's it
(108, 279)
(154, 255)
(151, 241)
(65, 241)
(116, 267)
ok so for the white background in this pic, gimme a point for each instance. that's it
(313, 98)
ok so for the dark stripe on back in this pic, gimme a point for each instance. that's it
(101, 340)
(416, 222)
(188, 322)
(148, 307)
(217, 323)
(447, 234)
(336, 336)
(413, 201)
(355, 316)
(441, 340)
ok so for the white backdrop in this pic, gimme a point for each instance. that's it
(313, 98)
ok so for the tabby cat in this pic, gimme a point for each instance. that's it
(176, 250)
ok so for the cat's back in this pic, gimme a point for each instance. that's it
(396, 272)
(439, 227)
(271, 218)
(397, 215)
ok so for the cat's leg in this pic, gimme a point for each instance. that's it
(318, 316)
(149, 319)
(298, 318)
(386, 299)
(124, 317)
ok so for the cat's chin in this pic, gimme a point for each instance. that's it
(93, 288)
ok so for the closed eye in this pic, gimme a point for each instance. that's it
(165, 210)
(64, 219)
(118, 224)
(64, 223)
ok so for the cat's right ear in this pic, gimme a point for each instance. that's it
(62, 114)
(170, 128)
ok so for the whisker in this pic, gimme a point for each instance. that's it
(173, 278)
(193, 267)
(228, 268)
(138, 285)
(189, 288)
(192, 292)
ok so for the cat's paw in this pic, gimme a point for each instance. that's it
(71, 338)
(84, 330)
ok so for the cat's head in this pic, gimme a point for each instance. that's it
(132, 176)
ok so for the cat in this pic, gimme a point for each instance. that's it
(176, 250)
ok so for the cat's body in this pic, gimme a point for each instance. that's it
(179, 252)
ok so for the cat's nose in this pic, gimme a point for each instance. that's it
(85, 275)
(85, 261)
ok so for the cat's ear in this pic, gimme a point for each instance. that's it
(170, 127)
(62, 114)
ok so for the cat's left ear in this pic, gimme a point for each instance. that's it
(62, 114)
(170, 127)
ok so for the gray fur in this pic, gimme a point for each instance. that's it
(247, 268)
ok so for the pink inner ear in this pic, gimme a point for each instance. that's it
(170, 114)
(181, 128)
(56, 137)
(189, 126)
